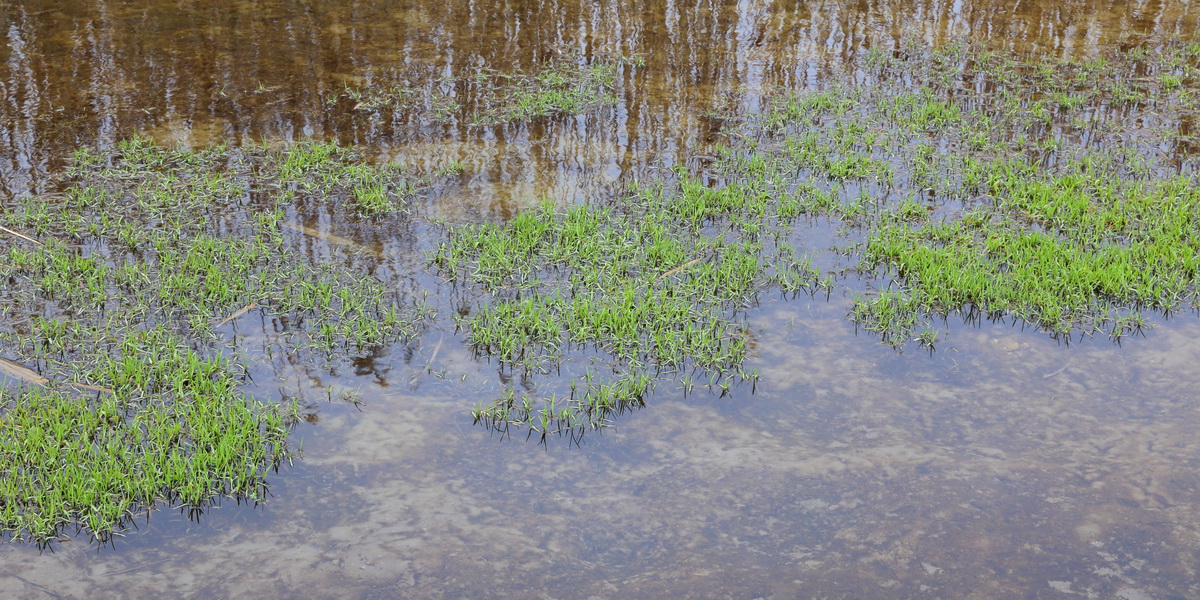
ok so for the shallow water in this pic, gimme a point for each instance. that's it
(983, 471)
(1004, 464)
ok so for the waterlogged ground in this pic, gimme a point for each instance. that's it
(852, 473)
(1000, 464)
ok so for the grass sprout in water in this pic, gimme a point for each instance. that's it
(658, 281)
(960, 182)
(564, 85)
(119, 289)
(982, 185)
(966, 182)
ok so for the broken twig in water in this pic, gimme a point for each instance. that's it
(329, 237)
(94, 388)
(241, 311)
(680, 268)
(1058, 371)
(429, 363)
(24, 237)
(22, 372)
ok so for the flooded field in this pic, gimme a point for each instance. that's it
(717, 368)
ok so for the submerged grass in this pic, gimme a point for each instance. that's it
(659, 282)
(961, 181)
(565, 85)
(118, 294)
(980, 184)
(964, 182)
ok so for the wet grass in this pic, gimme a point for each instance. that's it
(983, 185)
(564, 85)
(337, 174)
(560, 87)
(121, 291)
(173, 429)
(960, 183)
(658, 282)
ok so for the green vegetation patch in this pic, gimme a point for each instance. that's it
(558, 88)
(175, 430)
(658, 282)
(337, 174)
(120, 290)
(1062, 193)
(566, 85)
(1067, 253)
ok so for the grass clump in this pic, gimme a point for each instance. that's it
(559, 88)
(979, 184)
(173, 429)
(120, 290)
(658, 283)
(434, 103)
(565, 85)
(335, 173)
(1062, 252)
(588, 405)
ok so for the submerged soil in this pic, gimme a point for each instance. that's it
(1003, 463)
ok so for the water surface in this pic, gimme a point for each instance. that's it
(1002, 465)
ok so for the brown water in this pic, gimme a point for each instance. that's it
(1004, 465)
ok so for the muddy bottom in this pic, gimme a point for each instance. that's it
(1001, 465)
(1006, 466)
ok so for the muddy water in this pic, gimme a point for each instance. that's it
(1003, 465)
(201, 73)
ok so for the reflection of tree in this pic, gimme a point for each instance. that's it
(83, 72)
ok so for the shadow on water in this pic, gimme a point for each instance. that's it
(1000, 464)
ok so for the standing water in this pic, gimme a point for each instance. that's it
(997, 460)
